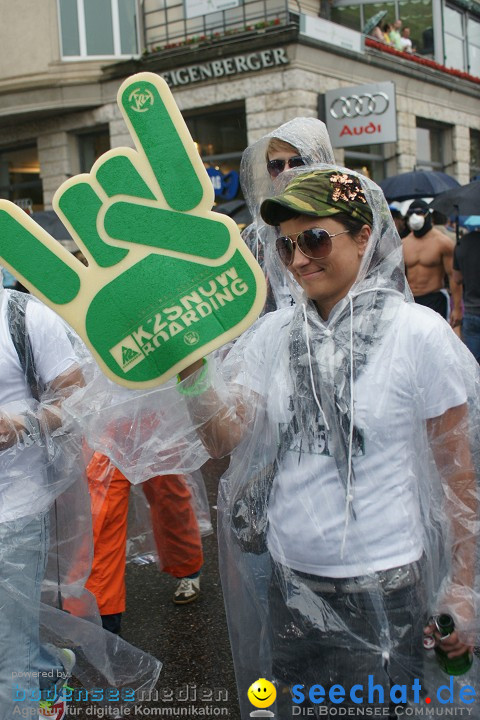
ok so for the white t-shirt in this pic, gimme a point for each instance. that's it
(23, 489)
(411, 376)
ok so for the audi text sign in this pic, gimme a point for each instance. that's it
(361, 115)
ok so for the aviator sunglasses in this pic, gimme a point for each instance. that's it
(315, 244)
(275, 167)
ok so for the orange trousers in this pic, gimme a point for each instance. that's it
(175, 529)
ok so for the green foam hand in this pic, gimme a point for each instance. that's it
(168, 280)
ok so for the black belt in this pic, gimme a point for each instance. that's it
(384, 580)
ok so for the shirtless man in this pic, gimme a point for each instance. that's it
(428, 257)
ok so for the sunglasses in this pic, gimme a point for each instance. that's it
(418, 211)
(315, 244)
(275, 167)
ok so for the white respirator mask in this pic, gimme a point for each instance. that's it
(416, 222)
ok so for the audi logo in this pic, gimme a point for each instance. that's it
(359, 105)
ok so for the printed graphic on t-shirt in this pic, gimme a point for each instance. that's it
(318, 441)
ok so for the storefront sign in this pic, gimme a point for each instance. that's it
(361, 115)
(250, 62)
(194, 8)
(331, 33)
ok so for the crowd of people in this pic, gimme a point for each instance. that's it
(392, 33)
(348, 515)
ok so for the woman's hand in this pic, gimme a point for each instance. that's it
(191, 369)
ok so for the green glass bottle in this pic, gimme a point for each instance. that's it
(452, 666)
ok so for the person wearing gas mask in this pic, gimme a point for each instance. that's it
(428, 255)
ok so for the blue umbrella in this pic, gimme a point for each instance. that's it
(472, 222)
(417, 184)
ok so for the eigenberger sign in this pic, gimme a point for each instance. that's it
(361, 115)
(249, 62)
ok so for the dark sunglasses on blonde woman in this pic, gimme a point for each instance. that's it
(275, 167)
(315, 244)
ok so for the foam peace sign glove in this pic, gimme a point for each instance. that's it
(168, 280)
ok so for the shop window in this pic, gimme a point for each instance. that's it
(221, 137)
(475, 154)
(434, 145)
(98, 28)
(90, 146)
(218, 131)
(20, 179)
(362, 159)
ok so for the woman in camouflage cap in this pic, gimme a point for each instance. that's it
(348, 513)
(334, 409)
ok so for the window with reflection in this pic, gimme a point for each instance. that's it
(475, 154)
(367, 159)
(415, 14)
(433, 145)
(473, 46)
(454, 38)
(20, 179)
(91, 145)
(220, 135)
(218, 132)
(418, 16)
(350, 16)
(98, 28)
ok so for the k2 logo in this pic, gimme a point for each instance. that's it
(141, 100)
(144, 222)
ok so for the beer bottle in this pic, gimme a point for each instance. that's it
(452, 666)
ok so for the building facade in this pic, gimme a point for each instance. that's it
(237, 70)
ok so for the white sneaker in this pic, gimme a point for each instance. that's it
(57, 709)
(68, 659)
(187, 591)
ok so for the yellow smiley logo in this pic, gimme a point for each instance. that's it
(262, 693)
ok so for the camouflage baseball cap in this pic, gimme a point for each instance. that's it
(320, 193)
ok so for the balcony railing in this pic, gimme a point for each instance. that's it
(169, 27)
(420, 60)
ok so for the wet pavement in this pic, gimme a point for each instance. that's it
(197, 678)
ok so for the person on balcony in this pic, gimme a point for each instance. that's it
(395, 36)
(407, 45)
(386, 29)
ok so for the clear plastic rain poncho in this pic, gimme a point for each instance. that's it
(348, 514)
(163, 520)
(143, 542)
(45, 525)
(310, 137)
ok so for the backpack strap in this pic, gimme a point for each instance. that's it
(16, 317)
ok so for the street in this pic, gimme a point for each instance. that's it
(191, 640)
